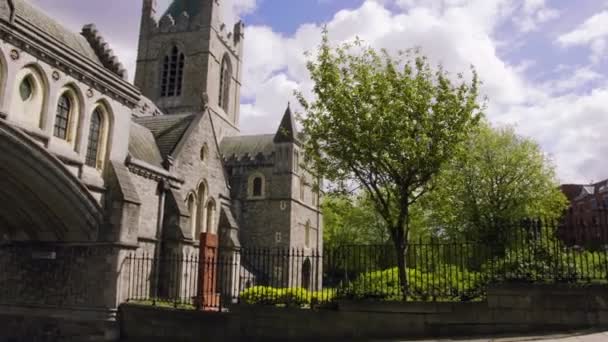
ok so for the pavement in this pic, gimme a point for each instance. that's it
(588, 336)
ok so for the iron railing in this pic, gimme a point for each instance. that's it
(436, 270)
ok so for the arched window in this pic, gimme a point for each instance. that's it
(225, 80)
(296, 161)
(191, 201)
(201, 214)
(62, 117)
(94, 156)
(29, 97)
(172, 73)
(204, 153)
(256, 186)
(211, 229)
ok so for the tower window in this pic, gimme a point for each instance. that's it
(296, 161)
(62, 117)
(257, 187)
(225, 79)
(172, 74)
(94, 138)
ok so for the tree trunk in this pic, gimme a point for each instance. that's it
(401, 250)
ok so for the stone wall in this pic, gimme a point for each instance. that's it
(38, 326)
(509, 309)
(59, 276)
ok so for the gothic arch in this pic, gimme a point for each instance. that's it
(211, 209)
(30, 96)
(99, 135)
(225, 83)
(42, 200)
(192, 204)
(172, 63)
(3, 78)
(76, 117)
(202, 191)
(256, 186)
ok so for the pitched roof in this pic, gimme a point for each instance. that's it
(168, 130)
(142, 145)
(287, 131)
(55, 30)
(251, 145)
(177, 7)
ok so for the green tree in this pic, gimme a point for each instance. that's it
(500, 179)
(351, 220)
(386, 124)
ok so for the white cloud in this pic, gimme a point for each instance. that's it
(534, 13)
(232, 10)
(456, 33)
(593, 33)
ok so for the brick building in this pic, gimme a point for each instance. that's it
(586, 218)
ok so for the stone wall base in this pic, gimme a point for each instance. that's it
(54, 325)
(525, 309)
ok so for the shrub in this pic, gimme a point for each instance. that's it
(266, 295)
(446, 283)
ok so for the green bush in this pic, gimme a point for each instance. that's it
(542, 262)
(285, 296)
(446, 283)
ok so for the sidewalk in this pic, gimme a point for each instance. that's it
(568, 337)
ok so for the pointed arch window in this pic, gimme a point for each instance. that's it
(172, 73)
(201, 212)
(256, 186)
(62, 117)
(95, 139)
(192, 209)
(225, 80)
(210, 226)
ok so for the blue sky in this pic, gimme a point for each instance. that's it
(543, 62)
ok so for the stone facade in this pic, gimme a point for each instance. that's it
(94, 168)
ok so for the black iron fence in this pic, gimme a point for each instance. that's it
(436, 270)
(233, 276)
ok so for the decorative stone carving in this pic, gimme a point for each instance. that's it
(15, 54)
(56, 75)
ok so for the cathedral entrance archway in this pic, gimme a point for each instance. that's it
(41, 199)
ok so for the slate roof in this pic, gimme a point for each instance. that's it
(142, 145)
(167, 130)
(287, 131)
(251, 145)
(37, 18)
(177, 7)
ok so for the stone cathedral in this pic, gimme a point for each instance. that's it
(94, 167)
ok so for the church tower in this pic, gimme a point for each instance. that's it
(188, 55)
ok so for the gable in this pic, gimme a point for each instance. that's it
(168, 130)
